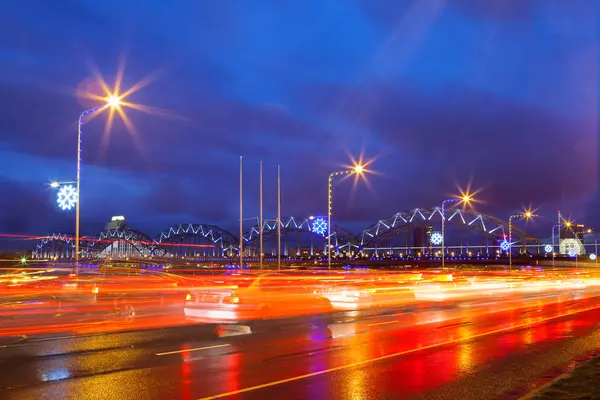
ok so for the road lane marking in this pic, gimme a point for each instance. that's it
(393, 355)
(189, 350)
(383, 323)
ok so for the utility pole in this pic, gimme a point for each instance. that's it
(241, 216)
(260, 222)
(278, 217)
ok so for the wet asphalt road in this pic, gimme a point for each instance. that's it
(466, 350)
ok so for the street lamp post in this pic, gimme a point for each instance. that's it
(357, 169)
(525, 215)
(553, 253)
(464, 199)
(278, 217)
(112, 102)
(260, 222)
(80, 124)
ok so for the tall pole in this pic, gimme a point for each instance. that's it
(526, 215)
(443, 228)
(329, 187)
(80, 123)
(260, 229)
(558, 230)
(329, 208)
(510, 242)
(279, 217)
(357, 169)
(78, 179)
(553, 226)
(241, 231)
(443, 236)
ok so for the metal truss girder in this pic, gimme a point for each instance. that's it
(339, 236)
(379, 230)
(342, 238)
(211, 233)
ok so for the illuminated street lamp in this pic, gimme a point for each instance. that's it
(524, 215)
(466, 199)
(358, 170)
(114, 102)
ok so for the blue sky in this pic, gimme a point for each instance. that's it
(500, 93)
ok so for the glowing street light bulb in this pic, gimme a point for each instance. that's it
(113, 101)
(568, 224)
(528, 214)
(466, 198)
(359, 169)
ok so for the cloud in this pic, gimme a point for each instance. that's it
(208, 130)
(520, 153)
(519, 10)
(27, 208)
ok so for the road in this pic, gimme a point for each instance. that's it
(467, 349)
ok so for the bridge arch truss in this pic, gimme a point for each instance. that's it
(118, 243)
(55, 246)
(196, 240)
(306, 240)
(466, 231)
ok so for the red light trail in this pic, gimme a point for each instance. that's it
(94, 240)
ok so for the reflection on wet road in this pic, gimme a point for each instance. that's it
(468, 348)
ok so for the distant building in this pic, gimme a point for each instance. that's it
(117, 222)
(428, 231)
(572, 238)
(421, 235)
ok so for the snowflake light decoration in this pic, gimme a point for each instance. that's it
(548, 248)
(436, 238)
(592, 256)
(505, 245)
(67, 197)
(572, 252)
(319, 226)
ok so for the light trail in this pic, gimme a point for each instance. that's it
(397, 354)
(94, 240)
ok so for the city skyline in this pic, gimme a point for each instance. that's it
(511, 114)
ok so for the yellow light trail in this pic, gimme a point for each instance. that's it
(394, 355)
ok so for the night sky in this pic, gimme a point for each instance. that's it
(499, 93)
